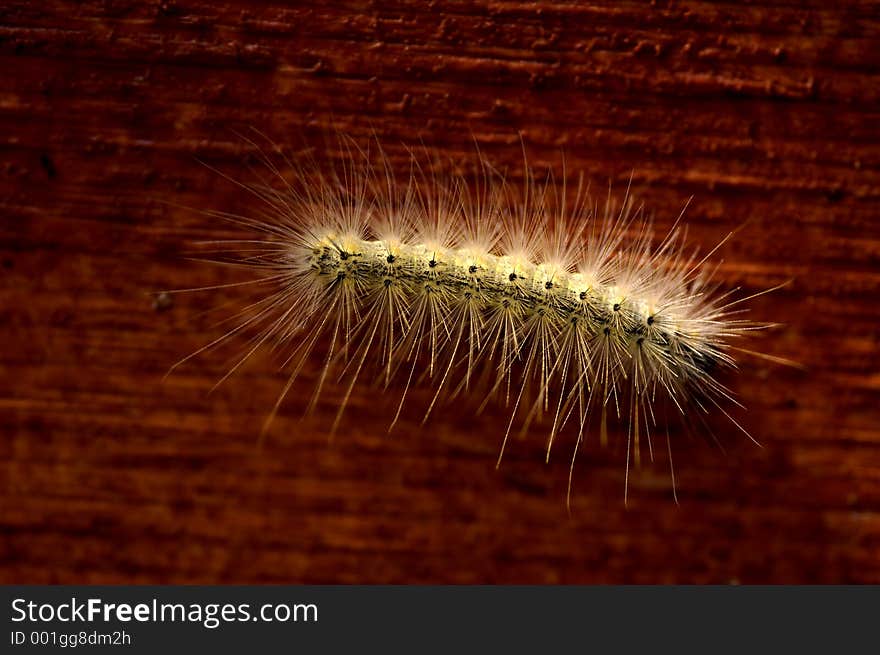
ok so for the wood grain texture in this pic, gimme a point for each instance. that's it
(766, 113)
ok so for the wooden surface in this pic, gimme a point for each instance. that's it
(767, 114)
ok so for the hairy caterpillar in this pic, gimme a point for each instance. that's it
(533, 294)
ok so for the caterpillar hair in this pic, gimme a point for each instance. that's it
(528, 293)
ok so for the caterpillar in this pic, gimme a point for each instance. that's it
(531, 293)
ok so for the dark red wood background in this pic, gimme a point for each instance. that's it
(766, 112)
